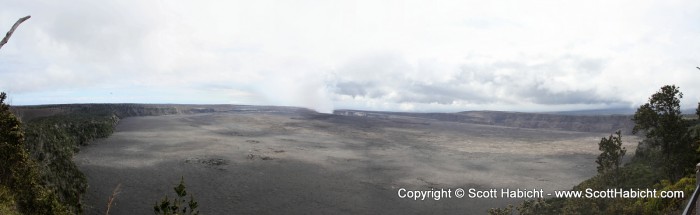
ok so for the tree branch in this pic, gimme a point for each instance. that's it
(12, 30)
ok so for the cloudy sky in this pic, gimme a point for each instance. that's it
(373, 55)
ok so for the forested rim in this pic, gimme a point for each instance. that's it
(38, 175)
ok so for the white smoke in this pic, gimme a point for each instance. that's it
(296, 87)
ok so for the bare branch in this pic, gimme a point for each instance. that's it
(115, 192)
(12, 30)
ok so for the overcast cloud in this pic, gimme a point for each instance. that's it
(375, 55)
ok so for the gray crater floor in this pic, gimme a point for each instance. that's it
(281, 163)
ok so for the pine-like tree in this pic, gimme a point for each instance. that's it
(179, 205)
(611, 156)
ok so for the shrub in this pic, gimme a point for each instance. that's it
(178, 205)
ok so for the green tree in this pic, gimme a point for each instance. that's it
(18, 172)
(662, 123)
(12, 153)
(611, 156)
(178, 205)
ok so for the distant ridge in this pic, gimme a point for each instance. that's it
(568, 122)
(615, 111)
(599, 121)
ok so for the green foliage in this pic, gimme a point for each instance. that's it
(668, 153)
(667, 205)
(530, 207)
(12, 153)
(19, 173)
(178, 205)
(584, 205)
(501, 211)
(639, 174)
(535, 206)
(53, 140)
(611, 156)
(8, 205)
(661, 121)
(36, 156)
(660, 115)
